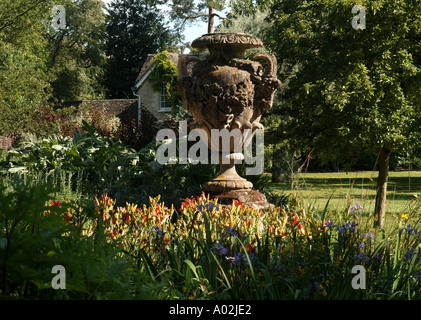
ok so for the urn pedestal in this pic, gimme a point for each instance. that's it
(227, 92)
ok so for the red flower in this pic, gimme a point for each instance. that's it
(56, 203)
(295, 221)
(237, 203)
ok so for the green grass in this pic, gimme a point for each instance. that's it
(342, 188)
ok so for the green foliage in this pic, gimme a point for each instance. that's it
(134, 29)
(246, 17)
(76, 53)
(24, 80)
(103, 163)
(106, 166)
(39, 64)
(165, 71)
(347, 90)
(247, 7)
(35, 237)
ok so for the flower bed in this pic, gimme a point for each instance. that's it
(207, 251)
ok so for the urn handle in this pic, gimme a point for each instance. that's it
(183, 63)
(271, 64)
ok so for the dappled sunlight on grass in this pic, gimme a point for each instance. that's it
(335, 187)
(337, 190)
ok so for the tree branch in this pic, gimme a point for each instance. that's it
(12, 20)
(219, 16)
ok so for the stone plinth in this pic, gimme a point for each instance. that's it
(254, 198)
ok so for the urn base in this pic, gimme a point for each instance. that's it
(227, 180)
(254, 198)
(222, 184)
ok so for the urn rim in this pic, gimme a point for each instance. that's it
(243, 40)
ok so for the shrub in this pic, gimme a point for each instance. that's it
(105, 123)
(34, 238)
(106, 166)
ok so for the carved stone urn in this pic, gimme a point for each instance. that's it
(227, 91)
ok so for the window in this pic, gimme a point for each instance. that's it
(164, 103)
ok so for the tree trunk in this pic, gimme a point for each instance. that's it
(211, 20)
(383, 177)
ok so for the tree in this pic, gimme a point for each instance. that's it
(253, 22)
(186, 11)
(77, 52)
(135, 28)
(348, 89)
(24, 79)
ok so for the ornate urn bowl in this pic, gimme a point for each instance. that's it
(227, 91)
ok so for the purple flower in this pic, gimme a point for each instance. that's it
(158, 231)
(207, 206)
(359, 245)
(280, 267)
(347, 227)
(230, 231)
(237, 259)
(252, 258)
(408, 255)
(222, 250)
(377, 257)
(360, 257)
(369, 235)
(410, 229)
(329, 224)
(356, 207)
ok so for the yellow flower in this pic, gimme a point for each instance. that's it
(324, 293)
(405, 216)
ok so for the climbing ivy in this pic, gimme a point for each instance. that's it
(165, 71)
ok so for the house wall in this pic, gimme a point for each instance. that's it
(150, 99)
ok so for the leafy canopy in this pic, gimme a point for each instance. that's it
(24, 80)
(347, 89)
(76, 53)
(135, 28)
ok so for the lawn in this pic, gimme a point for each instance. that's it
(342, 188)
